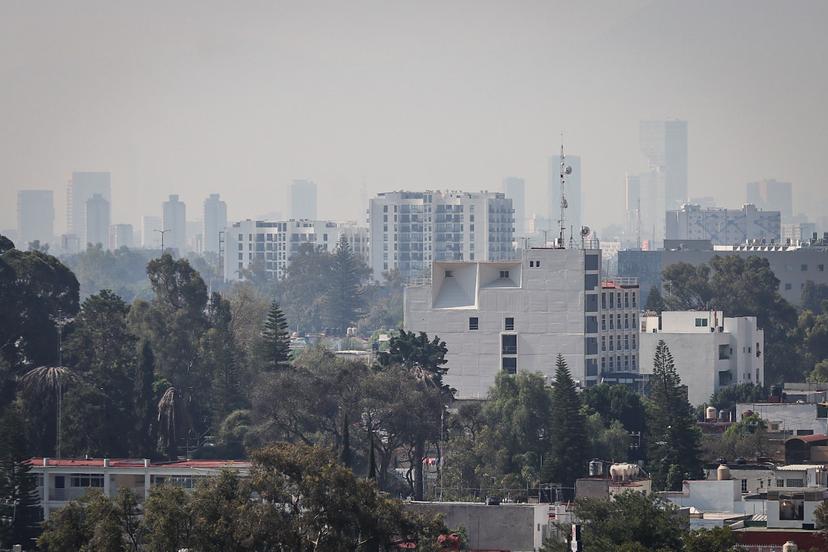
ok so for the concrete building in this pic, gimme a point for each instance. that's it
(215, 221)
(121, 235)
(70, 244)
(619, 331)
(358, 238)
(409, 230)
(97, 221)
(793, 265)
(175, 225)
(512, 315)
(724, 226)
(61, 481)
(150, 235)
(35, 217)
(514, 188)
(81, 187)
(771, 195)
(271, 244)
(798, 232)
(752, 477)
(789, 418)
(664, 145)
(303, 200)
(710, 351)
(574, 218)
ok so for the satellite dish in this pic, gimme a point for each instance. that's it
(585, 231)
(568, 170)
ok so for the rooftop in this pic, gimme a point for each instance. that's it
(135, 463)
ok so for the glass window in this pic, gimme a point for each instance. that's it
(612, 300)
(724, 352)
(510, 365)
(473, 322)
(603, 321)
(603, 343)
(504, 273)
(590, 281)
(591, 262)
(509, 324)
(508, 344)
(701, 322)
(604, 300)
(591, 302)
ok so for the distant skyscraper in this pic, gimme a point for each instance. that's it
(772, 195)
(175, 224)
(35, 216)
(215, 221)
(97, 221)
(632, 206)
(723, 226)
(150, 237)
(303, 200)
(80, 188)
(515, 189)
(573, 214)
(664, 145)
(121, 235)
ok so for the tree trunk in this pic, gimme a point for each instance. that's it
(419, 454)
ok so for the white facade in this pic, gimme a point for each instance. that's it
(215, 221)
(273, 243)
(724, 226)
(513, 315)
(35, 217)
(789, 418)
(120, 235)
(175, 225)
(799, 232)
(97, 221)
(710, 351)
(409, 230)
(358, 238)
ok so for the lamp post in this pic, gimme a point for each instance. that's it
(162, 232)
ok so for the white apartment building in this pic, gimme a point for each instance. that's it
(513, 315)
(273, 243)
(789, 418)
(710, 351)
(175, 224)
(724, 226)
(121, 235)
(619, 331)
(409, 230)
(59, 481)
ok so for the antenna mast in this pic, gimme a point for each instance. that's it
(565, 170)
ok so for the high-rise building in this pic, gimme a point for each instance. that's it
(81, 187)
(215, 221)
(175, 224)
(664, 145)
(723, 226)
(632, 208)
(303, 200)
(150, 232)
(799, 232)
(121, 235)
(97, 221)
(515, 189)
(772, 195)
(574, 220)
(35, 217)
(409, 230)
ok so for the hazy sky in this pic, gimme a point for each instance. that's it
(239, 97)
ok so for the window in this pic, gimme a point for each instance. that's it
(591, 345)
(626, 300)
(794, 483)
(603, 321)
(591, 367)
(724, 352)
(611, 367)
(591, 324)
(510, 365)
(603, 343)
(626, 342)
(803, 268)
(612, 344)
(504, 273)
(634, 294)
(744, 486)
(509, 324)
(612, 325)
(633, 341)
(591, 302)
(86, 480)
(626, 321)
(804, 431)
(473, 322)
(821, 268)
(508, 344)
(787, 287)
(604, 300)
(590, 281)
(534, 264)
(591, 262)
(701, 322)
(449, 274)
(612, 300)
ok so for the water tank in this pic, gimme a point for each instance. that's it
(790, 546)
(596, 468)
(710, 413)
(723, 473)
(724, 415)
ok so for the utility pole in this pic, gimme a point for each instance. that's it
(162, 232)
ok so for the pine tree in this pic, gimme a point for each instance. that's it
(18, 493)
(655, 302)
(275, 347)
(566, 440)
(674, 440)
(343, 300)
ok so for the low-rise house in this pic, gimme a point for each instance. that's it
(60, 481)
(788, 418)
(753, 478)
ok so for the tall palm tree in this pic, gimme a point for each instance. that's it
(50, 380)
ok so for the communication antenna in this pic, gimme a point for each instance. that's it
(638, 224)
(565, 171)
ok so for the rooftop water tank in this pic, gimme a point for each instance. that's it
(710, 413)
(596, 468)
(723, 473)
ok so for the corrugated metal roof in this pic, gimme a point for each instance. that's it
(800, 467)
(810, 438)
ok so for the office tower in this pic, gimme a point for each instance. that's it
(410, 229)
(150, 236)
(798, 232)
(723, 226)
(515, 189)
(121, 235)
(175, 224)
(81, 187)
(303, 200)
(35, 217)
(573, 213)
(664, 145)
(772, 195)
(215, 221)
(97, 221)
(632, 206)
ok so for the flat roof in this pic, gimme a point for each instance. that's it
(134, 463)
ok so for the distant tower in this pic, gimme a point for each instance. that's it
(303, 200)
(97, 221)
(515, 189)
(81, 187)
(215, 221)
(35, 217)
(175, 222)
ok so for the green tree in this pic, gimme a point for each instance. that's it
(728, 397)
(568, 459)
(344, 299)
(717, 539)
(121, 270)
(674, 438)
(18, 493)
(304, 287)
(221, 360)
(168, 519)
(814, 297)
(275, 343)
(655, 302)
(145, 401)
(687, 287)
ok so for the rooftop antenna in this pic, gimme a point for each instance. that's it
(565, 170)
